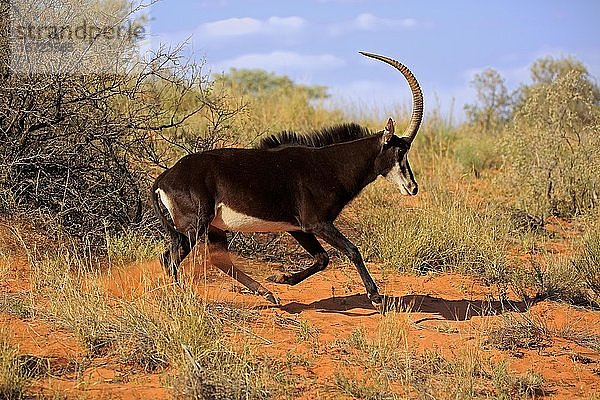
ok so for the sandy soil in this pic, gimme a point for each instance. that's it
(446, 313)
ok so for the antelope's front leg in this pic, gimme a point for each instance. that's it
(329, 233)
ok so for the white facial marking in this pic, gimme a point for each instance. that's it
(230, 220)
(162, 196)
(396, 178)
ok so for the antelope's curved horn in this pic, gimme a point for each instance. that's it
(417, 112)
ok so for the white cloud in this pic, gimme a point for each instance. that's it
(214, 33)
(249, 26)
(365, 22)
(286, 22)
(281, 61)
(370, 22)
(232, 27)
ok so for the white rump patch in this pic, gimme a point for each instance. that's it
(162, 196)
(228, 219)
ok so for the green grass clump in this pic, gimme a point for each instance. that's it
(476, 152)
(442, 234)
(575, 278)
(132, 247)
(16, 305)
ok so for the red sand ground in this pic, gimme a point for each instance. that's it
(443, 316)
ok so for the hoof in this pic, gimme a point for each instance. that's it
(378, 302)
(385, 304)
(272, 299)
(280, 278)
(375, 298)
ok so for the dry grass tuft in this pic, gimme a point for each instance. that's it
(361, 388)
(527, 331)
(221, 375)
(394, 369)
(508, 386)
(13, 378)
(524, 331)
(164, 326)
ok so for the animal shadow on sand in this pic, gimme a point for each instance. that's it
(454, 310)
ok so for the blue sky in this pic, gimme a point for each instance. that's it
(443, 42)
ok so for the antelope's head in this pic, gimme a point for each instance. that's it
(394, 156)
(393, 160)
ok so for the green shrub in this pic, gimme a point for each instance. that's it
(271, 103)
(552, 149)
(493, 107)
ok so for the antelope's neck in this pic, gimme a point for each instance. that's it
(354, 163)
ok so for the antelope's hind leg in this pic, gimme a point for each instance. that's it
(194, 224)
(219, 257)
(181, 246)
(309, 242)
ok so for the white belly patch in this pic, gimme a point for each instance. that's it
(228, 219)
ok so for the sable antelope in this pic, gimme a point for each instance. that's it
(288, 182)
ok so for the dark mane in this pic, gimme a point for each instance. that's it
(318, 138)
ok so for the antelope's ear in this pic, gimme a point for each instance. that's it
(388, 132)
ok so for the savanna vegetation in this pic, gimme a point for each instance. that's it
(509, 197)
